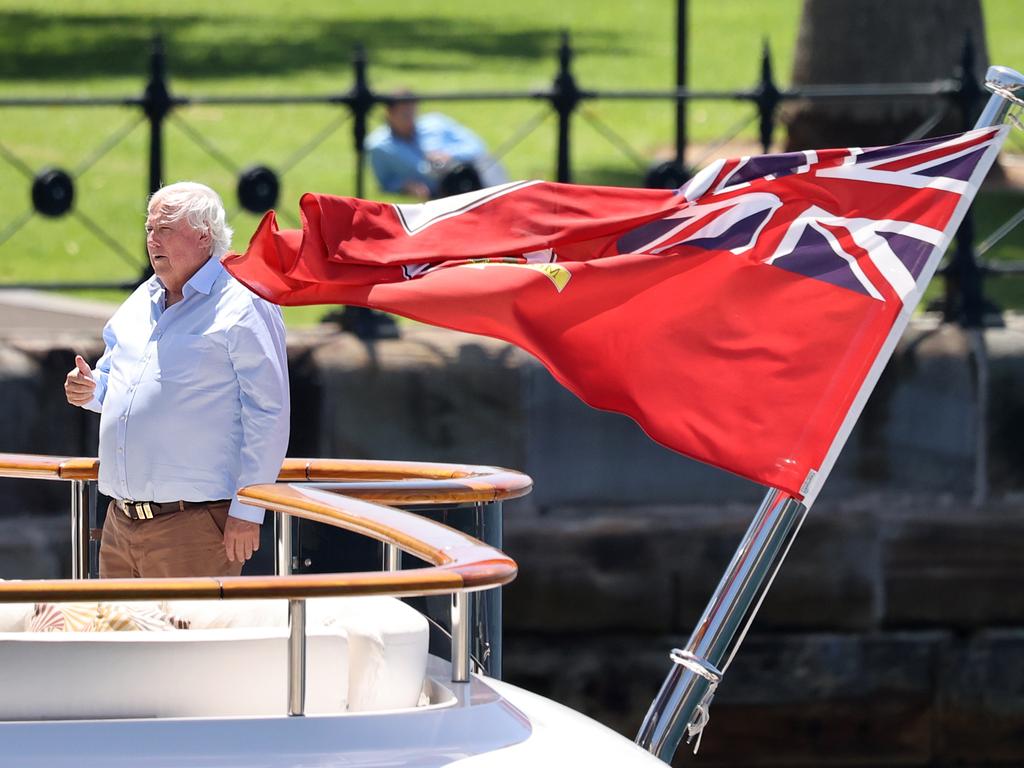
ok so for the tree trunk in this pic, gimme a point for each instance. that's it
(880, 41)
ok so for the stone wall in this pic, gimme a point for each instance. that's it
(893, 632)
(893, 635)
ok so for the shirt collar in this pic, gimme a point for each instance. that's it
(201, 282)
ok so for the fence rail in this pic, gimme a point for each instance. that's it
(53, 189)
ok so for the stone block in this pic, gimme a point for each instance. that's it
(37, 547)
(831, 579)
(1005, 422)
(918, 430)
(578, 455)
(428, 396)
(586, 576)
(655, 569)
(980, 712)
(956, 566)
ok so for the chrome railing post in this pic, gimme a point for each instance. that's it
(460, 637)
(92, 546)
(392, 557)
(80, 493)
(282, 544)
(681, 706)
(487, 604)
(296, 658)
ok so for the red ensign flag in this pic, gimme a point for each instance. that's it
(739, 320)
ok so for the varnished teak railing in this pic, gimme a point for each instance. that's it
(458, 562)
(410, 481)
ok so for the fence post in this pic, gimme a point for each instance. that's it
(360, 101)
(156, 103)
(965, 299)
(681, 40)
(565, 97)
(766, 97)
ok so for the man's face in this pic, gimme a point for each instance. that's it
(402, 118)
(176, 251)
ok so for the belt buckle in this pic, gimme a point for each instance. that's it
(137, 510)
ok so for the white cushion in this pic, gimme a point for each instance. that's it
(69, 675)
(387, 640)
(387, 649)
(223, 614)
(14, 616)
(366, 653)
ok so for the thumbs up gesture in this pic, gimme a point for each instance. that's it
(79, 385)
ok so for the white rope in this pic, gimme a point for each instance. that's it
(1013, 118)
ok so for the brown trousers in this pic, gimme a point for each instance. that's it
(189, 542)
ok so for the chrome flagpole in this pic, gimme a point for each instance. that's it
(682, 705)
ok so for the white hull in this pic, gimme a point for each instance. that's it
(486, 724)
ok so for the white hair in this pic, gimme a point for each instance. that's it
(200, 206)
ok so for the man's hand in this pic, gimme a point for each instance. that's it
(79, 385)
(241, 539)
(438, 159)
(416, 189)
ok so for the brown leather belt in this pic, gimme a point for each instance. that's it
(147, 510)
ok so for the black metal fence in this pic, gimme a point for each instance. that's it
(53, 189)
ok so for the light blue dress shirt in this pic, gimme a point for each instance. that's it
(396, 161)
(193, 398)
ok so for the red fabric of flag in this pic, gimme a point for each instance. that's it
(734, 320)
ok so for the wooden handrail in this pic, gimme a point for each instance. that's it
(48, 467)
(389, 482)
(458, 562)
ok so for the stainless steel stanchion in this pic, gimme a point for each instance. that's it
(79, 529)
(282, 544)
(392, 558)
(460, 637)
(296, 658)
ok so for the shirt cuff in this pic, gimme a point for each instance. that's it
(94, 405)
(246, 512)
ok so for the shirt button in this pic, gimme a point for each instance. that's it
(120, 450)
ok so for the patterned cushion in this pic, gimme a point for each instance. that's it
(102, 617)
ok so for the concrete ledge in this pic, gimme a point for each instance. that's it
(35, 313)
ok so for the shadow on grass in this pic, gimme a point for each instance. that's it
(610, 176)
(61, 47)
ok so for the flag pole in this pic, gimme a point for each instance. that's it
(681, 706)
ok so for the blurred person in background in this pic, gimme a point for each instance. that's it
(430, 155)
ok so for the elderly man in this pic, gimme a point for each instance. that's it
(193, 395)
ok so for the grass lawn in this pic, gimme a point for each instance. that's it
(72, 47)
